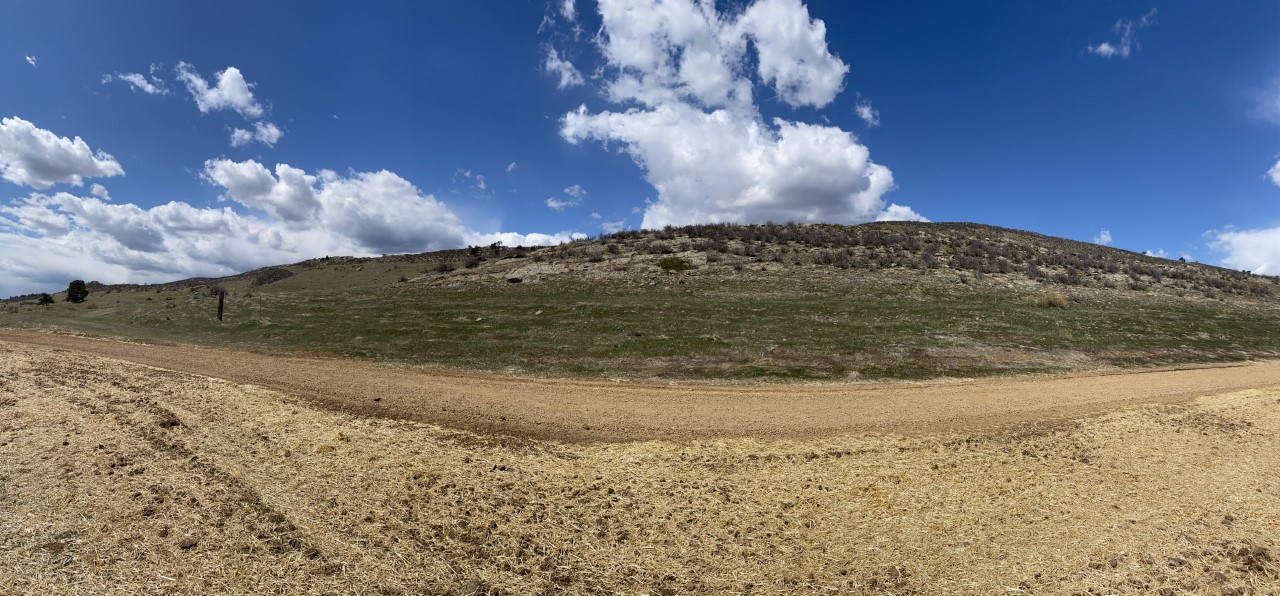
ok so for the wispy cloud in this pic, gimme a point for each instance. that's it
(869, 115)
(473, 179)
(1127, 42)
(576, 194)
(560, 204)
(1103, 237)
(563, 69)
(152, 85)
(32, 61)
(1267, 103)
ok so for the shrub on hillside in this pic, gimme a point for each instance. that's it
(1051, 299)
(270, 275)
(674, 264)
(45, 299)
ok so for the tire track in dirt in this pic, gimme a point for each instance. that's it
(595, 410)
(136, 411)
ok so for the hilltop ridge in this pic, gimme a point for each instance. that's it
(964, 248)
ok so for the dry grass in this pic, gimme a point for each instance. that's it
(1051, 299)
(118, 478)
(889, 300)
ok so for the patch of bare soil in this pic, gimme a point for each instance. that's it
(122, 478)
(580, 410)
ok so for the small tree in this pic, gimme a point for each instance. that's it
(45, 298)
(76, 291)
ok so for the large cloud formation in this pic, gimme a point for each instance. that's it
(682, 71)
(35, 157)
(285, 215)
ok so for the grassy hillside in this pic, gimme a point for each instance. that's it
(884, 300)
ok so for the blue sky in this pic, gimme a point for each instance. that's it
(214, 139)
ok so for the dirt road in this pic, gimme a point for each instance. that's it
(121, 478)
(579, 410)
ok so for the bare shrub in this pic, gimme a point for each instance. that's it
(674, 264)
(1051, 299)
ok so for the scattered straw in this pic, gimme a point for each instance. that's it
(254, 492)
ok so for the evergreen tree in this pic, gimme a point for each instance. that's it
(77, 292)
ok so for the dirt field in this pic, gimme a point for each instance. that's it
(118, 477)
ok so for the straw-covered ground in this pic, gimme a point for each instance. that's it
(121, 478)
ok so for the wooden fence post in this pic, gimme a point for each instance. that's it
(221, 294)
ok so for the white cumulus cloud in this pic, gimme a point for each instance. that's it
(896, 212)
(32, 214)
(682, 70)
(38, 158)
(263, 132)
(288, 196)
(288, 215)
(1274, 174)
(1126, 42)
(1255, 250)
(515, 239)
(792, 53)
(231, 92)
(721, 167)
(1103, 237)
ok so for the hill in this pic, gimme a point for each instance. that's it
(806, 302)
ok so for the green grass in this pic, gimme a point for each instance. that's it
(789, 325)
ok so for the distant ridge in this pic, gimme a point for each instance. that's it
(963, 248)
